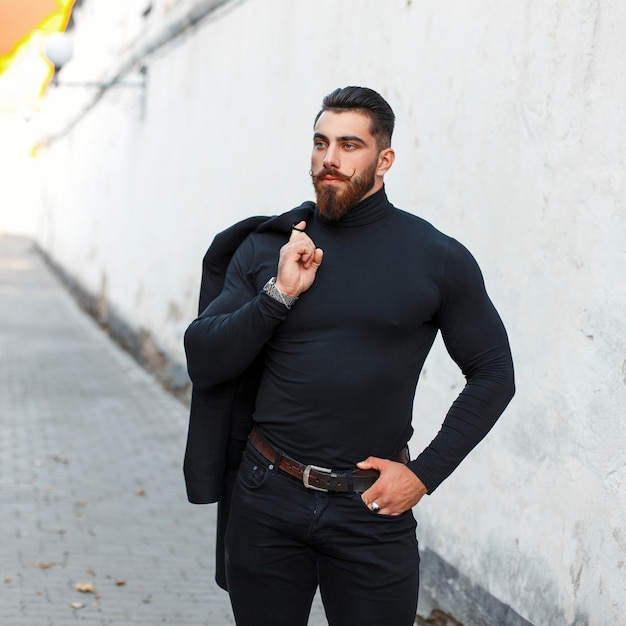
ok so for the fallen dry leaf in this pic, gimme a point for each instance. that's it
(8, 580)
(140, 492)
(120, 583)
(85, 587)
(77, 605)
(44, 565)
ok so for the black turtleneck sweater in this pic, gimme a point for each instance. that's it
(342, 365)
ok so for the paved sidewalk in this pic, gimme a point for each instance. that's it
(91, 485)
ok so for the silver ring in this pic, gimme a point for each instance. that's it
(374, 506)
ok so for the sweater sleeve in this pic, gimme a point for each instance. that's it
(231, 332)
(476, 340)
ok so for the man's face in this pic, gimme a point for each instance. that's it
(345, 162)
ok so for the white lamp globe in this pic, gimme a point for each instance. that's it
(58, 49)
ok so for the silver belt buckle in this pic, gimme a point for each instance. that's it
(307, 471)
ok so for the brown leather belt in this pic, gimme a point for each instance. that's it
(321, 478)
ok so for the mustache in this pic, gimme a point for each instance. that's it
(329, 171)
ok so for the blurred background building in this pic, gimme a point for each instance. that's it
(172, 119)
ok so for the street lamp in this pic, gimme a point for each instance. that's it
(58, 49)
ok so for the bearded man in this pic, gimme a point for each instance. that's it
(338, 320)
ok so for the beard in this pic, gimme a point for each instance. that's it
(334, 202)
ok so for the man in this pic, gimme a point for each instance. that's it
(338, 317)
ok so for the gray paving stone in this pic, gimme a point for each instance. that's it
(91, 486)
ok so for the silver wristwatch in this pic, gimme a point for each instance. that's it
(273, 292)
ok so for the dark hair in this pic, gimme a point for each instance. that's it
(366, 101)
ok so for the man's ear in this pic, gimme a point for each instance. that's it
(386, 158)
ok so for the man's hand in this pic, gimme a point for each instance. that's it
(298, 263)
(397, 489)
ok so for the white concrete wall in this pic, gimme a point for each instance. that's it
(510, 136)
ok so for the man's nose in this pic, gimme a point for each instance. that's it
(331, 158)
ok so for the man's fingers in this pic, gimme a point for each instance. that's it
(317, 256)
(371, 462)
(299, 227)
(302, 245)
(299, 238)
(312, 257)
(298, 262)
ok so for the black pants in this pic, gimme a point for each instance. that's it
(283, 540)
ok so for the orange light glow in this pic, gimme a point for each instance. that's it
(24, 72)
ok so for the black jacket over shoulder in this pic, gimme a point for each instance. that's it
(221, 417)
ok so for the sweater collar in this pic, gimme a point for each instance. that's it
(374, 208)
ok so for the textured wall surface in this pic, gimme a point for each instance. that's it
(510, 136)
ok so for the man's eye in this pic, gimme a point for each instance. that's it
(319, 144)
(349, 146)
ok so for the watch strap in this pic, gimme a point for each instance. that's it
(273, 292)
